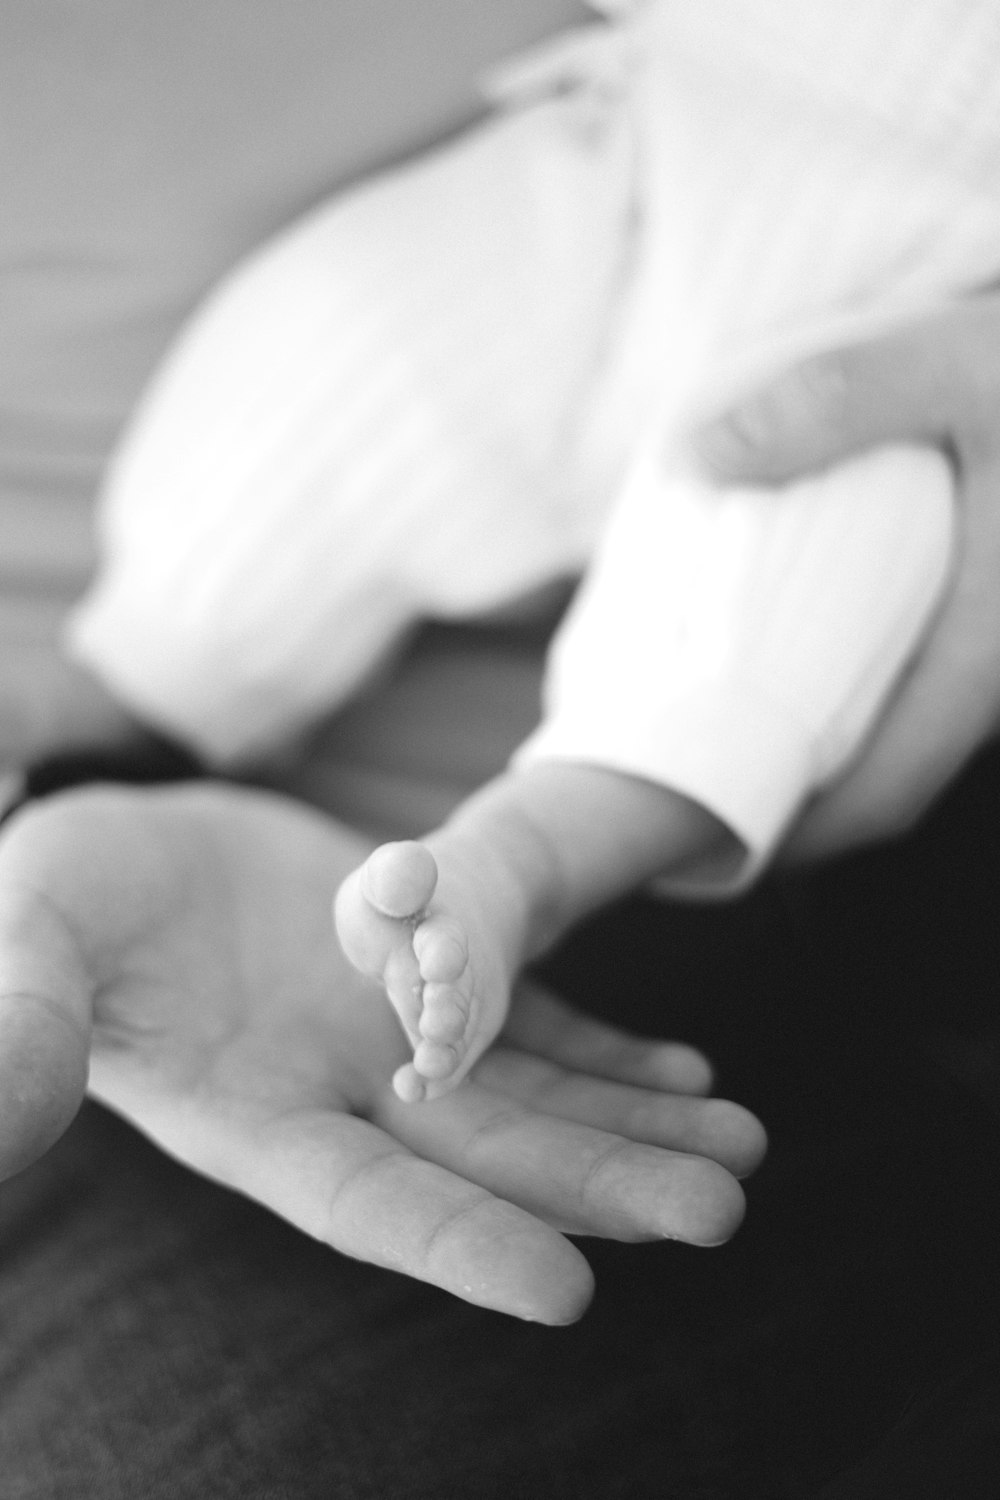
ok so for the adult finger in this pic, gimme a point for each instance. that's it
(577, 1178)
(924, 382)
(944, 709)
(546, 1027)
(716, 1128)
(346, 1182)
(44, 1025)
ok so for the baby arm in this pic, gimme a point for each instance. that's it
(726, 656)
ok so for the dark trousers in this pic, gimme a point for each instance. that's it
(160, 1337)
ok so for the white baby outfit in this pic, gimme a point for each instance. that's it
(469, 376)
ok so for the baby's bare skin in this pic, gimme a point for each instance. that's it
(445, 926)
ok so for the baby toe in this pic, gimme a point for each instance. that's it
(445, 1015)
(408, 1085)
(399, 879)
(435, 1059)
(441, 949)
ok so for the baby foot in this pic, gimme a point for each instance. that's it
(443, 974)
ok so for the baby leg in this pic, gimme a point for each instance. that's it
(445, 925)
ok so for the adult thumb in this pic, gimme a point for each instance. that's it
(44, 1026)
(902, 386)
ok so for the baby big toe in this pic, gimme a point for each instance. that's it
(399, 879)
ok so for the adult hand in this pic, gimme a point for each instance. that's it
(937, 382)
(181, 940)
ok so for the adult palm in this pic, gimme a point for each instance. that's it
(178, 943)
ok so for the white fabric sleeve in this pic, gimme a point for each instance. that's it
(736, 645)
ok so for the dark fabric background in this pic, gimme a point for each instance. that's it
(161, 1337)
